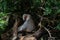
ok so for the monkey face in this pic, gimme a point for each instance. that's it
(26, 17)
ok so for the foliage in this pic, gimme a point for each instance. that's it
(3, 22)
(58, 26)
(51, 9)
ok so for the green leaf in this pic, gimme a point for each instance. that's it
(58, 11)
(47, 11)
(58, 26)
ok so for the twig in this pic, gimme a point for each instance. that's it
(48, 31)
(15, 27)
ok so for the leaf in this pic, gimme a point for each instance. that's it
(58, 11)
(47, 11)
(58, 26)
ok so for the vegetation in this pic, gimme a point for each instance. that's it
(49, 9)
(3, 22)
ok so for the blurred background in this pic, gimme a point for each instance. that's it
(49, 9)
